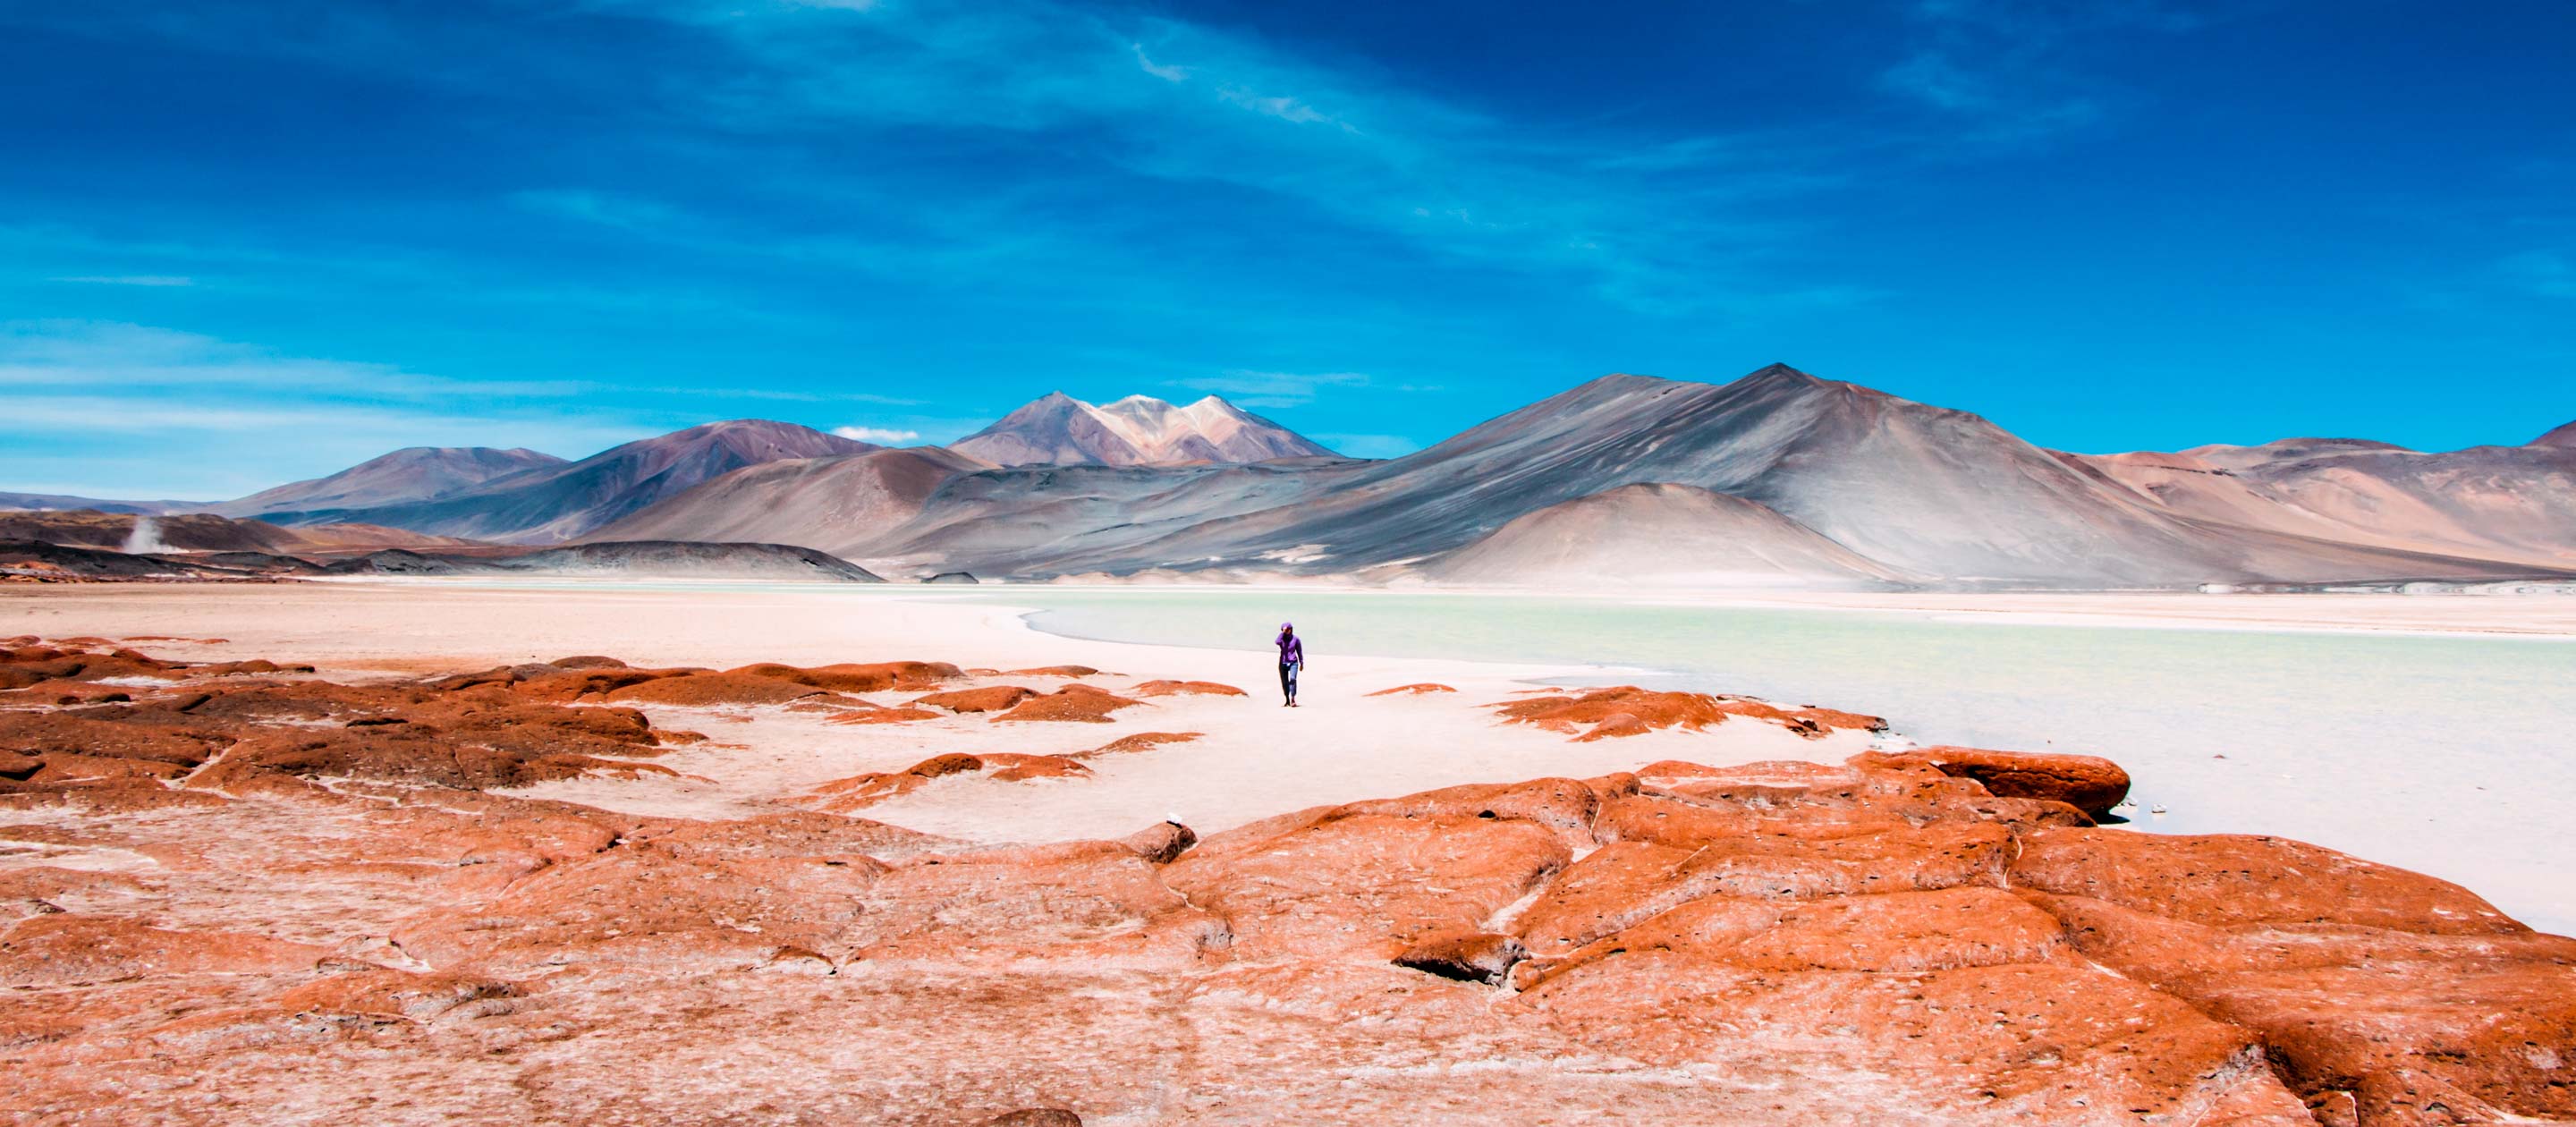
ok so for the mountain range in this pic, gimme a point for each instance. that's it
(1775, 478)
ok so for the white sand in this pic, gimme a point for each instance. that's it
(1255, 759)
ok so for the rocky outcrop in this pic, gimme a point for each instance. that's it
(1626, 710)
(2088, 783)
(1076, 703)
(1414, 690)
(1185, 688)
(231, 883)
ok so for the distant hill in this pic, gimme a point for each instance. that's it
(58, 501)
(2514, 503)
(201, 532)
(556, 503)
(829, 504)
(417, 473)
(1136, 431)
(660, 559)
(1656, 535)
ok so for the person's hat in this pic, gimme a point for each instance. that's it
(1287, 626)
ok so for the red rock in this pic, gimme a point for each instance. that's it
(1161, 842)
(703, 689)
(903, 715)
(2227, 880)
(2088, 783)
(879, 676)
(587, 661)
(374, 991)
(1338, 882)
(1036, 1117)
(862, 791)
(2382, 992)
(1469, 956)
(991, 698)
(1074, 703)
(1414, 690)
(1185, 688)
(1143, 741)
(1016, 768)
(1056, 671)
(70, 949)
(1626, 710)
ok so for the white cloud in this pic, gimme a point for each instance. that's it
(1167, 74)
(1369, 445)
(142, 411)
(883, 435)
(154, 280)
(1246, 388)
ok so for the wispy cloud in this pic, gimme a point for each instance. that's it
(1277, 389)
(1186, 104)
(141, 358)
(155, 281)
(176, 414)
(609, 209)
(2542, 273)
(886, 435)
(2012, 69)
(1369, 445)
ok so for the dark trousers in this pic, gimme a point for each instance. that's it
(1287, 680)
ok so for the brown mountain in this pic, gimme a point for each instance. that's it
(2508, 503)
(417, 473)
(202, 532)
(829, 504)
(556, 503)
(1654, 535)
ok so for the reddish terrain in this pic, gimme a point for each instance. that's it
(238, 893)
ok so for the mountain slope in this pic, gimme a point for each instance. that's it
(59, 501)
(1941, 494)
(660, 559)
(1136, 431)
(1658, 535)
(829, 504)
(2564, 438)
(417, 473)
(2514, 503)
(199, 532)
(552, 504)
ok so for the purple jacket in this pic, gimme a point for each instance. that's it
(1292, 650)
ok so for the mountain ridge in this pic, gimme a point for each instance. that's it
(413, 473)
(559, 503)
(1059, 429)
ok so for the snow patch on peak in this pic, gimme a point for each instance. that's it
(1135, 430)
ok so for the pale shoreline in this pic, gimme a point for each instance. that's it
(2430, 615)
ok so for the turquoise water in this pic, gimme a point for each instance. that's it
(2452, 755)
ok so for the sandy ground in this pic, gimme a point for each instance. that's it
(1254, 758)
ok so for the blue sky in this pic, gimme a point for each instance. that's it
(243, 242)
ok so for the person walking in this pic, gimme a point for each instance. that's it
(1292, 658)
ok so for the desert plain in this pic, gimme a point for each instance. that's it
(389, 852)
